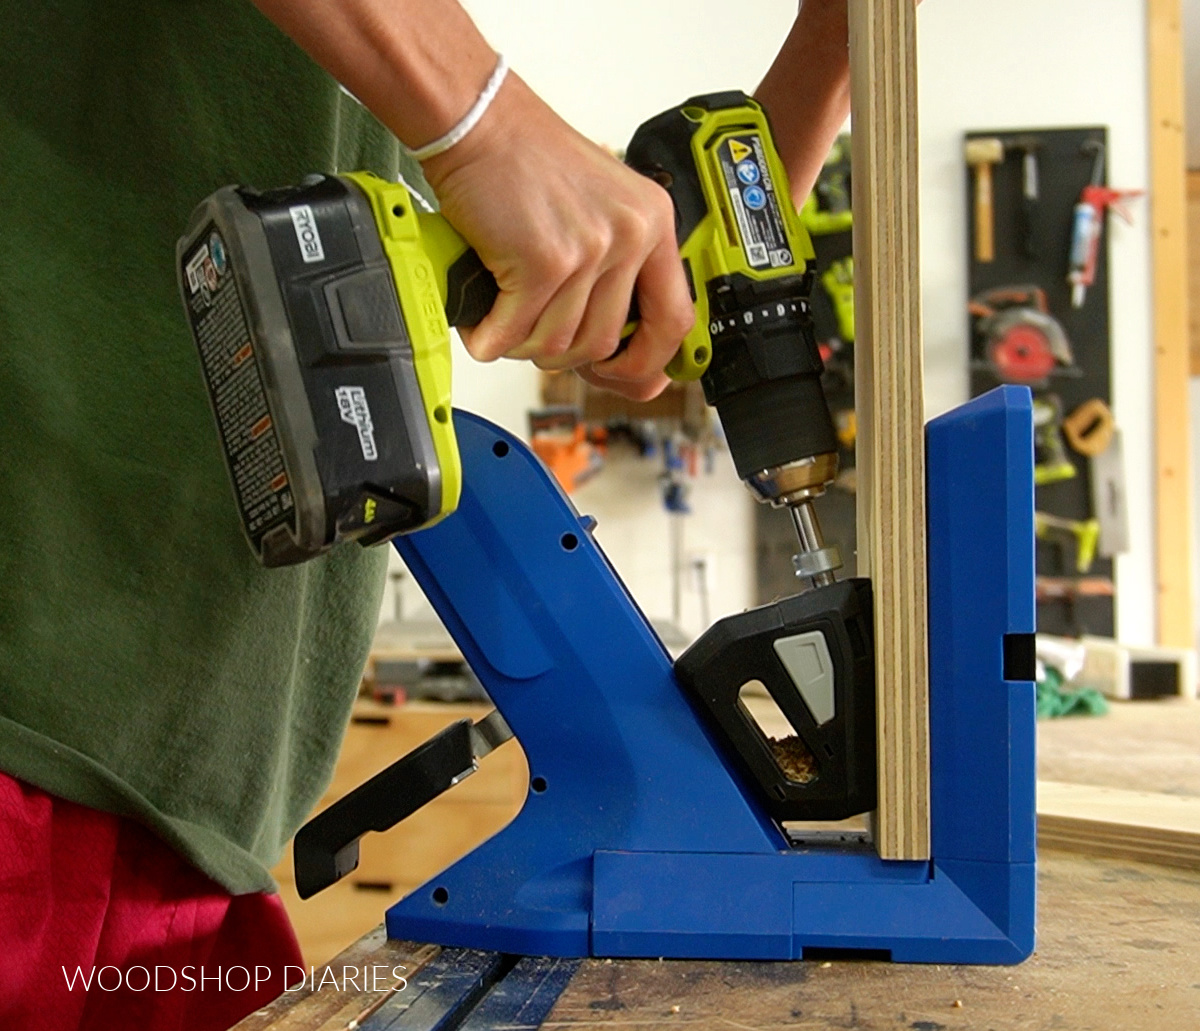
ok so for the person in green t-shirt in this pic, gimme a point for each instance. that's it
(169, 711)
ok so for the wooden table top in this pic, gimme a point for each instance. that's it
(1118, 948)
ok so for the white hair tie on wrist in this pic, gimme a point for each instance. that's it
(470, 119)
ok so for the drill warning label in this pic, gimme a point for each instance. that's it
(753, 201)
(235, 388)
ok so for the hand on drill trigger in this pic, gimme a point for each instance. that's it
(569, 233)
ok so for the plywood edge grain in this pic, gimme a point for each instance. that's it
(1111, 822)
(890, 452)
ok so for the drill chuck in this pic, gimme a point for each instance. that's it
(765, 382)
(766, 364)
(796, 481)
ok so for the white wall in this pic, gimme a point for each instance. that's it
(606, 67)
(983, 64)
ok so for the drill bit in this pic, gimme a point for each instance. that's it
(814, 560)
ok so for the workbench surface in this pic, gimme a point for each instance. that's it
(1118, 948)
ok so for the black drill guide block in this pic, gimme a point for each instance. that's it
(741, 649)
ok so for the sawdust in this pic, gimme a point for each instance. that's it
(794, 759)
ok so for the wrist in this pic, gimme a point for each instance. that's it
(514, 105)
(438, 92)
(469, 120)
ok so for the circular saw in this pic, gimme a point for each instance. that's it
(1022, 342)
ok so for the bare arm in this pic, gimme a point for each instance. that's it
(567, 230)
(806, 92)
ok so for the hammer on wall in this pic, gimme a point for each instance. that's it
(982, 153)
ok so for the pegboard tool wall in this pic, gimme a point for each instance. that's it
(1065, 167)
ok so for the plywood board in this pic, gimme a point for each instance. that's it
(1137, 746)
(890, 451)
(1111, 822)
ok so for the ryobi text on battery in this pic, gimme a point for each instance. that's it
(307, 234)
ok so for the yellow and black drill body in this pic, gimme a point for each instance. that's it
(748, 259)
(345, 278)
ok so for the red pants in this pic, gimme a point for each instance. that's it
(103, 927)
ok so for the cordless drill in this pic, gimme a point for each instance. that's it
(321, 314)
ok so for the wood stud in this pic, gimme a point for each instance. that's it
(1168, 215)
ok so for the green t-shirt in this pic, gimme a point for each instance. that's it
(148, 666)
